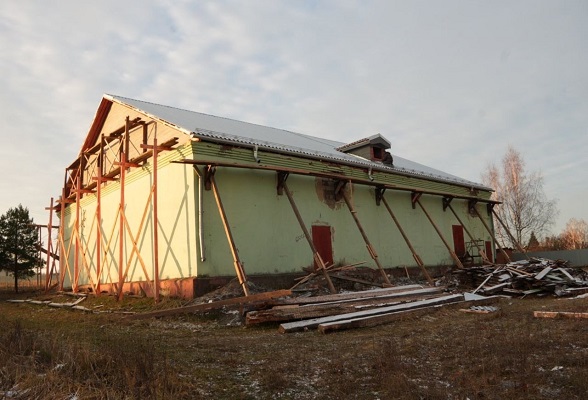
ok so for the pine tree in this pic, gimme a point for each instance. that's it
(533, 242)
(18, 244)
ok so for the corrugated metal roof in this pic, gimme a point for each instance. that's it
(221, 129)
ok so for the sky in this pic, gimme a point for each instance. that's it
(451, 84)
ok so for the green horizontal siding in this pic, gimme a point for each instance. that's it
(222, 153)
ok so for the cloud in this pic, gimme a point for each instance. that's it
(451, 84)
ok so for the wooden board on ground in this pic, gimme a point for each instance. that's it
(556, 314)
(313, 323)
(382, 319)
(351, 295)
(214, 305)
(292, 313)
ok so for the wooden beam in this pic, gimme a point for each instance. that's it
(356, 280)
(555, 314)
(236, 260)
(252, 298)
(335, 176)
(481, 251)
(382, 319)
(295, 312)
(449, 249)
(317, 257)
(352, 295)
(475, 209)
(415, 255)
(517, 244)
(315, 322)
(370, 247)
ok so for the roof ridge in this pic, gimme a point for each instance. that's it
(202, 113)
(277, 139)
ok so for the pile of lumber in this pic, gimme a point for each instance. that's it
(358, 309)
(539, 276)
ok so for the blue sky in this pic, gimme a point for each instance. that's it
(450, 83)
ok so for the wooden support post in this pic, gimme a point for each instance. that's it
(155, 148)
(480, 250)
(99, 181)
(516, 242)
(475, 209)
(63, 261)
(237, 262)
(48, 273)
(449, 249)
(121, 228)
(39, 257)
(414, 197)
(415, 255)
(76, 275)
(317, 257)
(369, 246)
(155, 225)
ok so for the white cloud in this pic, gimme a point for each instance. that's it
(451, 84)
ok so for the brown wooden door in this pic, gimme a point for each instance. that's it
(489, 251)
(321, 237)
(458, 241)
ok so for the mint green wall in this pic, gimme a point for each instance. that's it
(270, 240)
(265, 230)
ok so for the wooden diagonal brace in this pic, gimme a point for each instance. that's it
(369, 246)
(492, 235)
(282, 177)
(446, 202)
(414, 198)
(472, 205)
(316, 256)
(340, 189)
(209, 172)
(490, 208)
(440, 234)
(379, 194)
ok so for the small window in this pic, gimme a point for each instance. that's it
(377, 153)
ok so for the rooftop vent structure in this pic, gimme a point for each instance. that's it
(372, 148)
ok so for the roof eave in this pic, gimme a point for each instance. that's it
(367, 164)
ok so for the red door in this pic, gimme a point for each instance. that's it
(321, 237)
(489, 251)
(458, 242)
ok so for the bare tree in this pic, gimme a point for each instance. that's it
(525, 208)
(575, 234)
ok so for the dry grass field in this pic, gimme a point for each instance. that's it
(52, 353)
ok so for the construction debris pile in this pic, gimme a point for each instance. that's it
(359, 309)
(538, 276)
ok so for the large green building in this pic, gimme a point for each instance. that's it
(162, 199)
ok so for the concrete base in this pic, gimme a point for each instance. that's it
(189, 288)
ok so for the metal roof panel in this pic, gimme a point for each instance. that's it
(280, 140)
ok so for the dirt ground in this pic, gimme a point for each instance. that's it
(52, 353)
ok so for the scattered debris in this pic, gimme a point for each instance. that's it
(73, 305)
(479, 309)
(537, 276)
(250, 300)
(321, 306)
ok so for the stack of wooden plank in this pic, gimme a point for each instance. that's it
(358, 309)
(537, 276)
